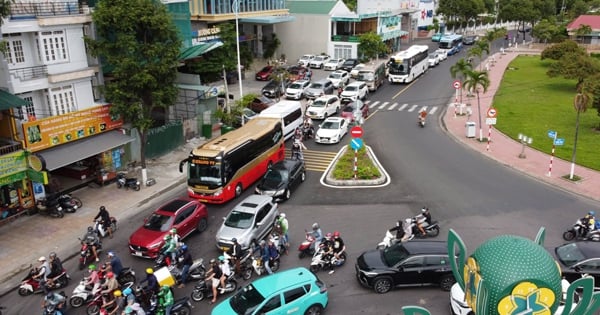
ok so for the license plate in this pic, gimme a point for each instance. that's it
(136, 253)
(203, 200)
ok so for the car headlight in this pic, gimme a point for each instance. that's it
(369, 273)
(280, 192)
(218, 193)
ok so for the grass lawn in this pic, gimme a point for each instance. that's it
(531, 103)
(344, 168)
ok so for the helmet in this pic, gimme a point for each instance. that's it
(592, 213)
(52, 255)
(424, 209)
(234, 240)
(92, 267)
(165, 288)
(149, 271)
(42, 258)
(282, 215)
(117, 293)
(102, 208)
(111, 253)
(262, 242)
(336, 234)
(90, 229)
(127, 291)
(128, 310)
(174, 230)
(315, 226)
(212, 261)
(50, 295)
(110, 274)
(184, 247)
(328, 235)
(221, 258)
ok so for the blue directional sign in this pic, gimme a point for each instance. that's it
(356, 143)
(552, 134)
(559, 141)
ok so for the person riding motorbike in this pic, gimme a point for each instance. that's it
(115, 263)
(43, 271)
(92, 240)
(214, 274)
(117, 304)
(151, 281)
(308, 130)
(317, 234)
(282, 222)
(588, 222)
(297, 149)
(423, 220)
(93, 279)
(226, 272)
(56, 267)
(111, 284)
(186, 264)
(165, 298)
(236, 254)
(104, 217)
(338, 245)
(129, 296)
(55, 299)
(326, 246)
(422, 116)
(170, 248)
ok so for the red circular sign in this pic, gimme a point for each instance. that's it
(356, 132)
(456, 84)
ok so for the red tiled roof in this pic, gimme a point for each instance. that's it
(592, 20)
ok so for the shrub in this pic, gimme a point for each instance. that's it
(344, 169)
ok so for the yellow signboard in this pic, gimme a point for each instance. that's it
(48, 132)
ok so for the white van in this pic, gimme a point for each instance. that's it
(289, 111)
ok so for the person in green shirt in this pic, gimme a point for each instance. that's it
(283, 224)
(165, 297)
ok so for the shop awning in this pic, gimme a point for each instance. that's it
(268, 19)
(199, 50)
(69, 153)
(8, 101)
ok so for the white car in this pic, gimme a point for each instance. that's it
(339, 77)
(433, 59)
(295, 90)
(319, 61)
(442, 54)
(305, 60)
(356, 90)
(323, 107)
(356, 69)
(332, 130)
(333, 64)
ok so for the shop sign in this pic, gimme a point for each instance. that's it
(40, 177)
(389, 24)
(12, 163)
(6, 180)
(48, 132)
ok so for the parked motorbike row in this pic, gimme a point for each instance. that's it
(55, 205)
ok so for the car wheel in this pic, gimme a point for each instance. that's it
(238, 190)
(382, 285)
(202, 225)
(247, 273)
(314, 310)
(303, 176)
(315, 268)
(287, 194)
(446, 282)
(275, 266)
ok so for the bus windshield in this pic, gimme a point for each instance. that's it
(365, 76)
(205, 174)
(399, 68)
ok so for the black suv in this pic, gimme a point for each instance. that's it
(414, 263)
(349, 64)
(275, 88)
(281, 179)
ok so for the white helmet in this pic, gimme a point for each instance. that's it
(282, 215)
(42, 258)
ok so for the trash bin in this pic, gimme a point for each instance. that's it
(207, 131)
(470, 129)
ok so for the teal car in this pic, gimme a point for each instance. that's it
(436, 37)
(296, 291)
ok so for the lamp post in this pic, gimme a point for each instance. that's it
(525, 141)
(235, 6)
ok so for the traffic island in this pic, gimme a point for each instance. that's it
(328, 178)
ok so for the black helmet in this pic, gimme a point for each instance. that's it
(90, 229)
(102, 208)
(50, 295)
(52, 255)
(234, 240)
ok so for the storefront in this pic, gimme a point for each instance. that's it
(19, 172)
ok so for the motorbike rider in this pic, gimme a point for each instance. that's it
(93, 279)
(317, 234)
(92, 240)
(588, 222)
(407, 229)
(265, 255)
(43, 271)
(308, 129)
(117, 304)
(135, 307)
(338, 245)
(108, 302)
(166, 300)
(422, 115)
(283, 225)
(237, 255)
(170, 248)
(152, 282)
(187, 263)
(226, 272)
(56, 267)
(129, 296)
(297, 148)
(111, 284)
(104, 217)
(214, 274)
(115, 263)
(424, 220)
(55, 299)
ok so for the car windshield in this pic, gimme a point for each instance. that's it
(265, 69)
(318, 103)
(432, 56)
(569, 254)
(158, 222)
(330, 125)
(348, 109)
(349, 63)
(366, 76)
(335, 76)
(394, 254)
(316, 86)
(351, 88)
(296, 86)
(305, 57)
(246, 300)
(239, 220)
(275, 176)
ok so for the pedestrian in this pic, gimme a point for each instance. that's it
(236, 254)
(283, 226)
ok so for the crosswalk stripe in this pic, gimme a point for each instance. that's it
(392, 107)
(402, 107)
(424, 108)
(383, 105)
(433, 110)
(412, 108)
(373, 104)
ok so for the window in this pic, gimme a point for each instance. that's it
(342, 51)
(436, 261)
(185, 214)
(53, 46)
(262, 213)
(14, 48)
(272, 304)
(293, 116)
(414, 262)
(61, 100)
(293, 294)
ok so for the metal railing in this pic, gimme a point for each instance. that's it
(9, 148)
(30, 73)
(24, 10)
(345, 38)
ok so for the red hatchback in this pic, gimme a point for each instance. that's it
(182, 214)
(265, 73)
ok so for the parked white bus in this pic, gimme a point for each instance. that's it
(373, 74)
(408, 64)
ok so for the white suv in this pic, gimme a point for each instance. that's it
(339, 78)
(305, 60)
(319, 61)
(295, 90)
(323, 107)
(356, 90)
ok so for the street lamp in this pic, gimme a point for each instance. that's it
(235, 6)
(525, 141)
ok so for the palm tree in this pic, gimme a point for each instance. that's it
(475, 52)
(484, 47)
(491, 35)
(581, 102)
(476, 80)
(460, 70)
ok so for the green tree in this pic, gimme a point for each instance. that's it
(460, 70)
(4, 12)
(580, 103)
(557, 51)
(481, 47)
(270, 45)
(592, 85)
(582, 31)
(545, 30)
(371, 45)
(492, 35)
(574, 66)
(140, 41)
(578, 8)
(351, 4)
(478, 80)
(459, 12)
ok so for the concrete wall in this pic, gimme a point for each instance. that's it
(308, 34)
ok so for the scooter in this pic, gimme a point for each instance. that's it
(81, 294)
(132, 183)
(197, 271)
(50, 207)
(579, 232)
(324, 262)
(94, 305)
(181, 306)
(69, 203)
(307, 247)
(431, 230)
(259, 267)
(246, 269)
(204, 289)
(52, 308)
(127, 277)
(31, 286)
(99, 227)
(421, 122)
(87, 254)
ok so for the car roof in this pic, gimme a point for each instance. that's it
(326, 97)
(334, 119)
(340, 71)
(426, 247)
(282, 280)
(301, 81)
(174, 205)
(589, 249)
(356, 83)
(252, 203)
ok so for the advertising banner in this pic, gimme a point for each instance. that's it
(48, 132)
(13, 163)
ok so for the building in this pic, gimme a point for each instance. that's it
(593, 37)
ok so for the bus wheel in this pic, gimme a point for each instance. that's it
(238, 189)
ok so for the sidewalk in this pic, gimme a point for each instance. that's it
(506, 151)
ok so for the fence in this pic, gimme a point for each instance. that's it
(164, 139)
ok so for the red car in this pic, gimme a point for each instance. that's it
(185, 215)
(355, 109)
(265, 73)
(299, 73)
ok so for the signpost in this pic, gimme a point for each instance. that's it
(356, 132)
(456, 85)
(490, 120)
(356, 144)
(553, 135)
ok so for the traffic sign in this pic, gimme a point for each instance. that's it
(551, 134)
(490, 121)
(559, 141)
(356, 132)
(492, 112)
(356, 143)
(456, 84)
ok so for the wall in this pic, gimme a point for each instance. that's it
(295, 40)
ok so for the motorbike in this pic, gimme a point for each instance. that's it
(308, 130)
(132, 182)
(259, 267)
(127, 277)
(197, 271)
(99, 227)
(52, 308)
(81, 294)
(246, 269)
(279, 243)
(579, 232)
(181, 306)
(321, 261)
(87, 254)
(69, 203)
(50, 207)
(94, 305)
(431, 230)
(29, 285)
(204, 288)
(307, 247)
(421, 122)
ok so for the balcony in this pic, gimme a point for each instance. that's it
(7, 146)
(32, 10)
(30, 73)
(345, 38)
